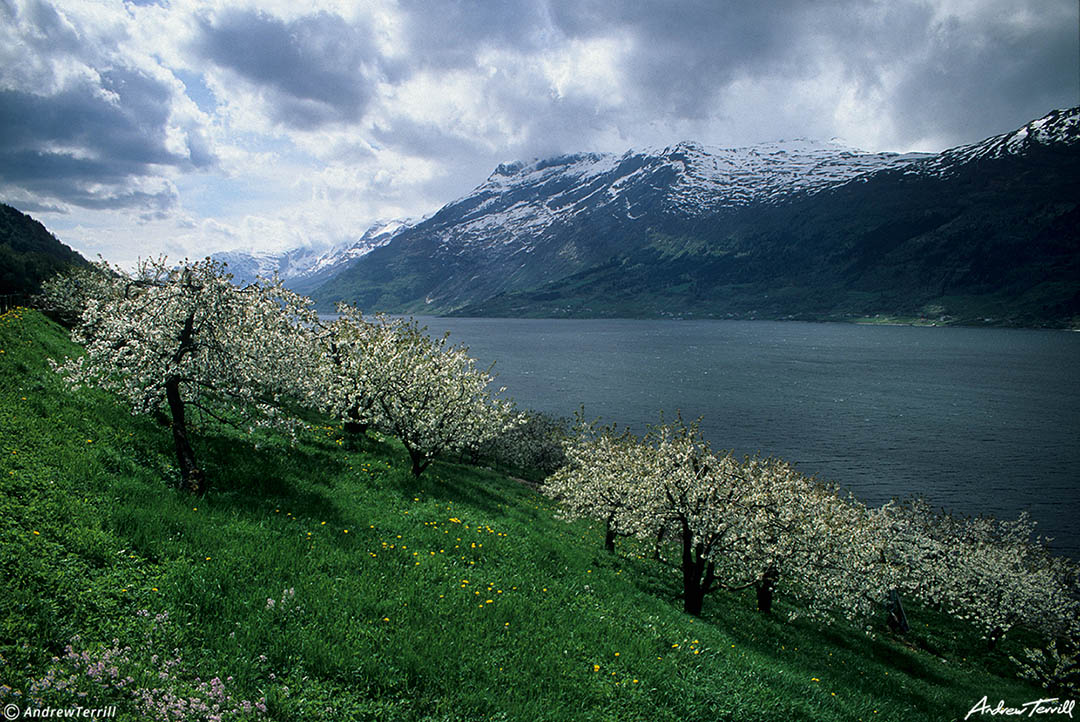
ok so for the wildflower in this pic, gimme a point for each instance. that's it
(596, 668)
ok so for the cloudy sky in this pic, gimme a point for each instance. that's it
(189, 126)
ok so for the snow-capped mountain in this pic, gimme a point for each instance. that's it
(1058, 129)
(302, 269)
(698, 222)
(518, 201)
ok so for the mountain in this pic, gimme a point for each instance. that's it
(795, 229)
(29, 253)
(303, 269)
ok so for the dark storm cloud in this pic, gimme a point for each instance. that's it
(977, 81)
(686, 54)
(952, 78)
(964, 75)
(91, 135)
(449, 35)
(314, 70)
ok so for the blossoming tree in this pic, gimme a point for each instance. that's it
(344, 383)
(731, 524)
(994, 574)
(430, 395)
(182, 336)
(601, 478)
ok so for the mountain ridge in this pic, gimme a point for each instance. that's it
(29, 253)
(717, 231)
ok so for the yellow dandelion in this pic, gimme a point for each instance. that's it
(596, 668)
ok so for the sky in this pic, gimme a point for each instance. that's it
(142, 128)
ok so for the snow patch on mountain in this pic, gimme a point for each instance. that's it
(1059, 128)
(304, 268)
(520, 201)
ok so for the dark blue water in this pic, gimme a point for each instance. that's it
(976, 420)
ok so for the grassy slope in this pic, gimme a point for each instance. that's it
(383, 624)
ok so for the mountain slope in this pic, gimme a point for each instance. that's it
(303, 269)
(789, 229)
(29, 253)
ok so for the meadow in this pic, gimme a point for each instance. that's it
(319, 579)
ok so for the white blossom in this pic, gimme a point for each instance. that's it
(182, 336)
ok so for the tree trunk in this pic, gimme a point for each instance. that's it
(609, 535)
(191, 475)
(897, 619)
(766, 586)
(693, 601)
(353, 425)
(697, 574)
(697, 582)
(419, 463)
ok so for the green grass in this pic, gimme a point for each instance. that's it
(458, 596)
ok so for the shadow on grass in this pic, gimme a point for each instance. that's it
(249, 478)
